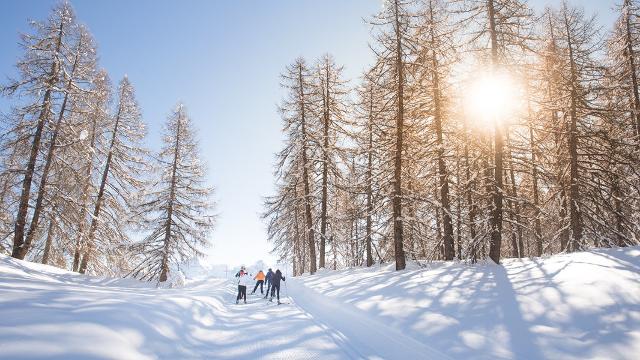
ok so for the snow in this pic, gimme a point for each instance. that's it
(573, 306)
(48, 312)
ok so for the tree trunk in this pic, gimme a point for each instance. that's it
(305, 179)
(20, 249)
(510, 214)
(37, 210)
(517, 227)
(296, 233)
(47, 245)
(85, 195)
(617, 202)
(103, 183)
(325, 160)
(575, 216)
(397, 176)
(440, 247)
(496, 214)
(470, 185)
(537, 227)
(164, 271)
(443, 177)
(632, 69)
(369, 184)
(458, 209)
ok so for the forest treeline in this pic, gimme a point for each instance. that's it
(399, 166)
(78, 188)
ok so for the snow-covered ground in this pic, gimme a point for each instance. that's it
(577, 306)
(50, 313)
(573, 306)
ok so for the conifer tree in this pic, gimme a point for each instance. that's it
(41, 77)
(506, 26)
(332, 95)
(177, 206)
(119, 180)
(394, 41)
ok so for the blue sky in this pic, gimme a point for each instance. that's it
(223, 60)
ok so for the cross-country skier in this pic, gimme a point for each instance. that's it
(268, 279)
(275, 284)
(259, 281)
(243, 281)
(242, 268)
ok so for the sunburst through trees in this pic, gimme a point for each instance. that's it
(480, 130)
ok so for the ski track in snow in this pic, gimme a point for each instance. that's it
(50, 313)
(357, 331)
(572, 306)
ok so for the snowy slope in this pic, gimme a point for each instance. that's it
(50, 313)
(578, 306)
(575, 306)
(47, 312)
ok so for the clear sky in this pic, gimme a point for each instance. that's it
(223, 60)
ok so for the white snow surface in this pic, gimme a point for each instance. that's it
(573, 306)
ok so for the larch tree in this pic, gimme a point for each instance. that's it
(434, 59)
(284, 214)
(119, 180)
(504, 30)
(332, 92)
(370, 115)
(623, 49)
(96, 117)
(392, 49)
(578, 40)
(624, 65)
(297, 111)
(177, 207)
(41, 77)
(75, 76)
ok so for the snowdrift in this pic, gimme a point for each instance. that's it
(572, 306)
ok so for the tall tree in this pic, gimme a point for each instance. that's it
(332, 94)
(119, 178)
(371, 114)
(41, 72)
(97, 118)
(80, 70)
(393, 49)
(505, 25)
(177, 207)
(435, 57)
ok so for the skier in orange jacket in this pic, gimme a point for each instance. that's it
(260, 281)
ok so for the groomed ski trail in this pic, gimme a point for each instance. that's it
(356, 332)
(51, 313)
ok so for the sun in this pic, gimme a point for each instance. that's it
(491, 96)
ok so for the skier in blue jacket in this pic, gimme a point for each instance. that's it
(268, 279)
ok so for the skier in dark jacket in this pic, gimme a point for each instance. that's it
(267, 280)
(275, 284)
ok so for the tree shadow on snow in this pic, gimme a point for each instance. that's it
(61, 320)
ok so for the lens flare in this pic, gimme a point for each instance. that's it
(490, 97)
